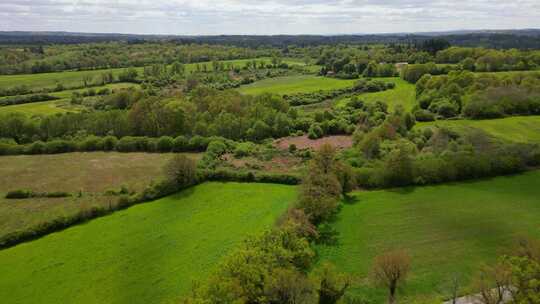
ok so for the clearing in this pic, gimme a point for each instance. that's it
(448, 229)
(520, 129)
(404, 93)
(149, 253)
(295, 84)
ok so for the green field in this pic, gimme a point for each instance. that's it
(404, 93)
(521, 129)
(62, 105)
(74, 78)
(448, 229)
(149, 253)
(295, 84)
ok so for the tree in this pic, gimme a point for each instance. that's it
(289, 286)
(181, 171)
(492, 283)
(332, 285)
(390, 269)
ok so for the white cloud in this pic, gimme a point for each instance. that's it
(265, 17)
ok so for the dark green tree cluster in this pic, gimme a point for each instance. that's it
(478, 95)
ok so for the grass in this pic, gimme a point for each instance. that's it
(448, 229)
(404, 93)
(62, 105)
(74, 78)
(92, 173)
(520, 129)
(295, 84)
(149, 253)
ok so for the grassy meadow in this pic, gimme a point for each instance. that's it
(403, 94)
(521, 129)
(92, 173)
(150, 253)
(75, 78)
(448, 230)
(295, 84)
(62, 105)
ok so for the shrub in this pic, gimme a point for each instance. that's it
(37, 147)
(19, 194)
(315, 131)
(180, 144)
(181, 171)
(59, 146)
(127, 144)
(109, 143)
(243, 149)
(91, 143)
(165, 144)
(424, 115)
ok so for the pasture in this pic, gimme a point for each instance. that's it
(295, 84)
(520, 129)
(403, 94)
(91, 173)
(62, 105)
(150, 253)
(449, 230)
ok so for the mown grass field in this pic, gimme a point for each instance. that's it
(295, 84)
(403, 94)
(92, 173)
(74, 78)
(448, 229)
(149, 253)
(521, 129)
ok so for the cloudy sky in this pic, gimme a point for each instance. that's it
(195, 17)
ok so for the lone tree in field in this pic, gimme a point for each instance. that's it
(181, 171)
(390, 269)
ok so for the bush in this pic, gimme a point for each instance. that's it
(165, 144)
(59, 146)
(424, 115)
(180, 144)
(109, 143)
(19, 194)
(243, 149)
(315, 131)
(181, 171)
(37, 147)
(91, 143)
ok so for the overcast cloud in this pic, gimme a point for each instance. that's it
(207, 17)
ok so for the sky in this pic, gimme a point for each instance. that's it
(262, 17)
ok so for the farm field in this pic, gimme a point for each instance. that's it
(150, 253)
(295, 84)
(92, 173)
(521, 129)
(448, 229)
(74, 78)
(404, 93)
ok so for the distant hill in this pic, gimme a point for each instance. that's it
(523, 38)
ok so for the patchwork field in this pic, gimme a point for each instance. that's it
(521, 129)
(74, 78)
(150, 253)
(295, 84)
(404, 93)
(92, 173)
(448, 229)
(61, 105)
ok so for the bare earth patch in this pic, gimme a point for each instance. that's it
(303, 142)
